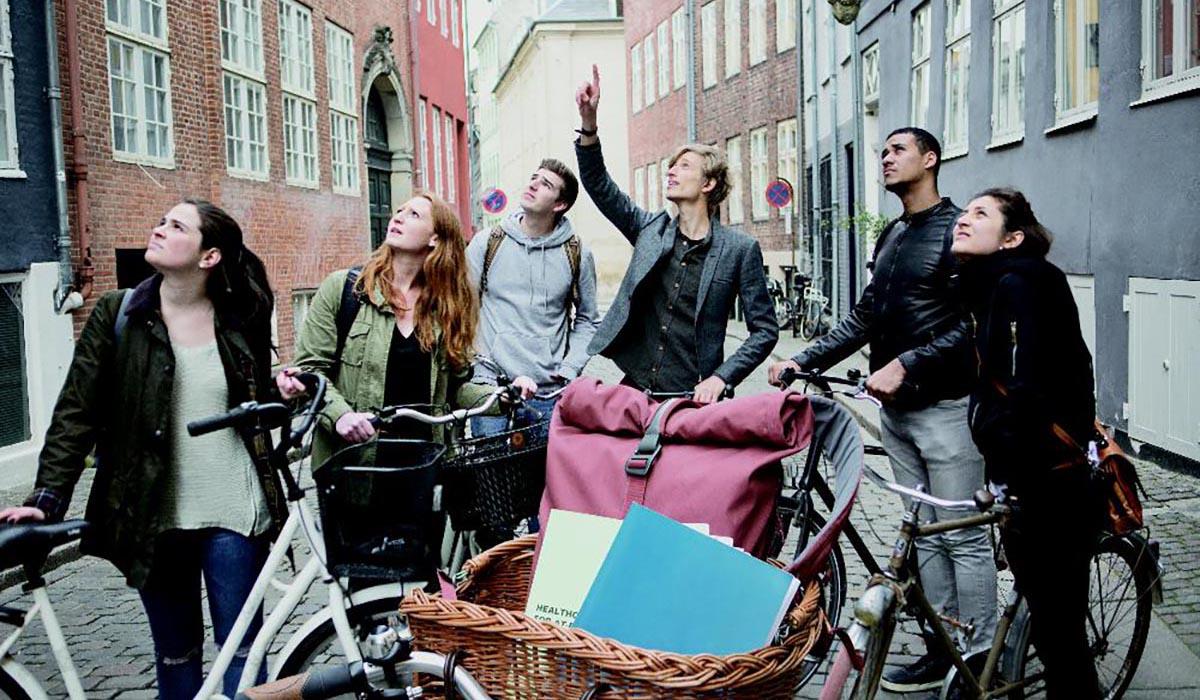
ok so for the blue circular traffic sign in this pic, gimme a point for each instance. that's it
(494, 200)
(779, 193)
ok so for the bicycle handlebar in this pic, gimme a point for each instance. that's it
(268, 415)
(314, 684)
(393, 413)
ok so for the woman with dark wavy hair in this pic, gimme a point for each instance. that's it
(1035, 373)
(167, 509)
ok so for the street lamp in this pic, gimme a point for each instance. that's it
(844, 11)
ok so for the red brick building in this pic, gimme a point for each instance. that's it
(743, 76)
(297, 117)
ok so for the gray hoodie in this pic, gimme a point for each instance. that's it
(524, 322)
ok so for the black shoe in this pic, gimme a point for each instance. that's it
(925, 673)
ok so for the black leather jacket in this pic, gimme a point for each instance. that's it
(911, 310)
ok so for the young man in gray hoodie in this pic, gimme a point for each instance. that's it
(537, 288)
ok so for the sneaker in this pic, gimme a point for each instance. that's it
(925, 673)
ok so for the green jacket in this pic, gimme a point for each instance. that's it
(357, 384)
(117, 399)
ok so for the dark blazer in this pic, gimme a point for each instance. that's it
(732, 270)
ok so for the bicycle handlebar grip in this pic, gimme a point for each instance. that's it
(211, 424)
(315, 684)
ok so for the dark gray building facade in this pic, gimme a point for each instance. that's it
(1092, 108)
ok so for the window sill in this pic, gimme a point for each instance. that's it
(1165, 91)
(12, 174)
(956, 152)
(304, 184)
(347, 192)
(134, 159)
(1006, 140)
(249, 175)
(1072, 122)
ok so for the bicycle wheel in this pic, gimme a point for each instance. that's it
(17, 683)
(875, 658)
(833, 594)
(1119, 602)
(783, 312)
(811, 321)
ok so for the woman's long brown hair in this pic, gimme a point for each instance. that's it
(448, 300)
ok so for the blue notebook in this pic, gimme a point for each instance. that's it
(665, 586)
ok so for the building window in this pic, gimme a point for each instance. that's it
(139, 80)
(870, 77)
(300, 141)
(651, 90)
(301, 303)
(653, 188)
(1171, 46)
(451, 148)
(454, 22)
(639, 187)
(733, 37)
(14, 410)
(663, 165)
(733, 152)
(758, 31)
(244, 88)
(635, 67)
(423, 139)
(1077, 29)
(664, 60)
(437, 153)
(296, 49)
(758, 175)
(958, 59)
(785, 141)
(785, 25)
(1008, 65)
(445, 19)
(919, 93)
(9, 158)
(708, 45)
(343, 109)
(431, 12)
(679, 47)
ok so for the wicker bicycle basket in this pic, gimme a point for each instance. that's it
(517, 657)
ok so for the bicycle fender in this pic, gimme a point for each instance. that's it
(23, 678)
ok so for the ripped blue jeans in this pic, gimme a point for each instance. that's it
(229, 563)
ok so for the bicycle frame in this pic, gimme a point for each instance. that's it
(43, 609)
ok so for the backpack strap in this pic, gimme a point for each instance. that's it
(347, 311)
(122, 318)
(495, 238)
(574, 250)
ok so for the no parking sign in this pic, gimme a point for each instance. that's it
(494, 200)
(779, 193)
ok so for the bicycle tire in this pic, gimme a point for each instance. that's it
(17, 683)
(875, 655)
(784, 312)
(1118, 563)
(811, 321)
(833, 595)
(314, 647)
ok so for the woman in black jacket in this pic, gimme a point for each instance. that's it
(1032, 408)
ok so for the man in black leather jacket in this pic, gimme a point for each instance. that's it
(922, 370)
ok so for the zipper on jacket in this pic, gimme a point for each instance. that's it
(1012, 334)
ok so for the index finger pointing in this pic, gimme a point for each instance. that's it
(595, 75)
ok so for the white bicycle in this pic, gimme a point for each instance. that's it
(358, 632)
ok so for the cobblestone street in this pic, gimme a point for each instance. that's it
(110, 643)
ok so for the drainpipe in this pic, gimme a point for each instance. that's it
(835, 150)
(66, 299)
(798, 197)
(79, 157)
(414, 61)
(859, 154)
(690, 17)
(814, 217)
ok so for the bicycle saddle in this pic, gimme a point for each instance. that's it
(30, 543)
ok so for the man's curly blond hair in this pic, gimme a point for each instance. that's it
(715, 169)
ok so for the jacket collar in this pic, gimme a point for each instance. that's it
(146, 302)
(920, 217)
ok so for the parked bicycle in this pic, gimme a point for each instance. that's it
(375, 647)
(1125, 571)
(811, 322)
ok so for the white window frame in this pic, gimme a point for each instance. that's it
(10, 158)
(870, 72)
(132, 25)
(438, 183)
(733, 37)
(431, 11)
(760, 152)
(345, 159)
(301, 164)
(663, 166)
(708, 44)
(650, 73)
(653, 188)
(297, 70)
(1064, 112)
(733, 154)
(635, 69)
(445, 18)
(785, 25)
(786, 132)
(1182, 78)
(918, 92)
(956, 131)
(639, 187)
(451, 141)
(245, 113)
(678, 48)
(423, 139)
(141, 52)
(454, 23)
(242, 38)
(758, 32)
(1008, 12)
(664, 60)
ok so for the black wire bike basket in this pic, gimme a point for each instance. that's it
(494, 481)
(377, 509)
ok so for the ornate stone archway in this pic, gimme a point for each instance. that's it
(382, 89)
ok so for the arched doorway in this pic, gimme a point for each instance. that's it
(387, 134)
(379, 168)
